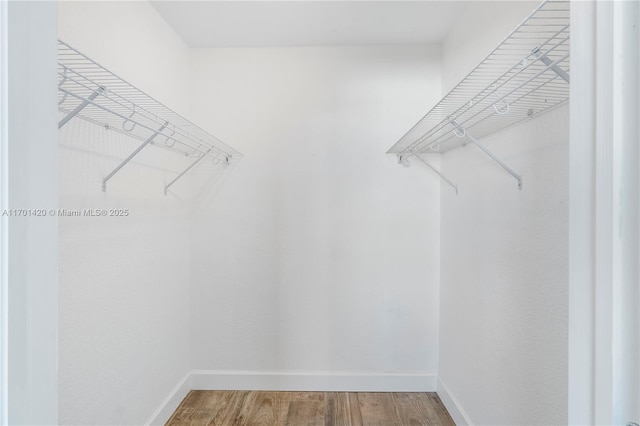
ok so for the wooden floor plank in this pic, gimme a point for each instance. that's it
(206, 400)
(353, 409)
(330, 410)
(302, 396)
(191, 417)
(305, 413)
(338, 412)
(231, 413)
(443, 415)
(342, 409)
(262, 408)
(269, 409)
(414, 409)
(378, 409)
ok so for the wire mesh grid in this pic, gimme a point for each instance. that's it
(89, 91)
(528, 73)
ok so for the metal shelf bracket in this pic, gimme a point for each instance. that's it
(404, 160)
(89, 91)
(80, 107)
(130, 157)
(192, 165)
(550, 63)
(523, 76)
(496, 160)
(461, 132)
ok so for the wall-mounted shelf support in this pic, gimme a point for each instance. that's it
(551, 64)
(88, 91)
(166, 188)
(404, 160)
(527, 74)
(80, 107)
(130, 157)
(461, 132)
(496, 160)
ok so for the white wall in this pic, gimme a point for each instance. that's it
(504, 256)
(481, 26)
(32, 246)
(124, 281)
(316, 256)
(134, 42)
(327, 262)
(309, 255)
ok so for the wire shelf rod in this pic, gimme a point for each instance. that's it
(490, 92)
(449, 134)
(492, 113)
(526, 74)
(501, 98)
(69, 56)
(110, 97)
(122, 101)
(138, 111)
(156, 132)
(88, 91)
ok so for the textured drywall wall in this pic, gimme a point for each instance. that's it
(504, 254)
(328, 258)
(503, 335)
(124, 281)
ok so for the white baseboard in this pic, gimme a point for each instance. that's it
(171, 402)
(322, 381)
(453, 406)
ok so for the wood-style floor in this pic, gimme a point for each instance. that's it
(252, 408)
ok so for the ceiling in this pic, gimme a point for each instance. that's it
(309, 23)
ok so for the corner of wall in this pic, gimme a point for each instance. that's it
(164, 411)
(453, 405)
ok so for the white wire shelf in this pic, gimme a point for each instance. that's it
(527, 74)
(89, 91)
